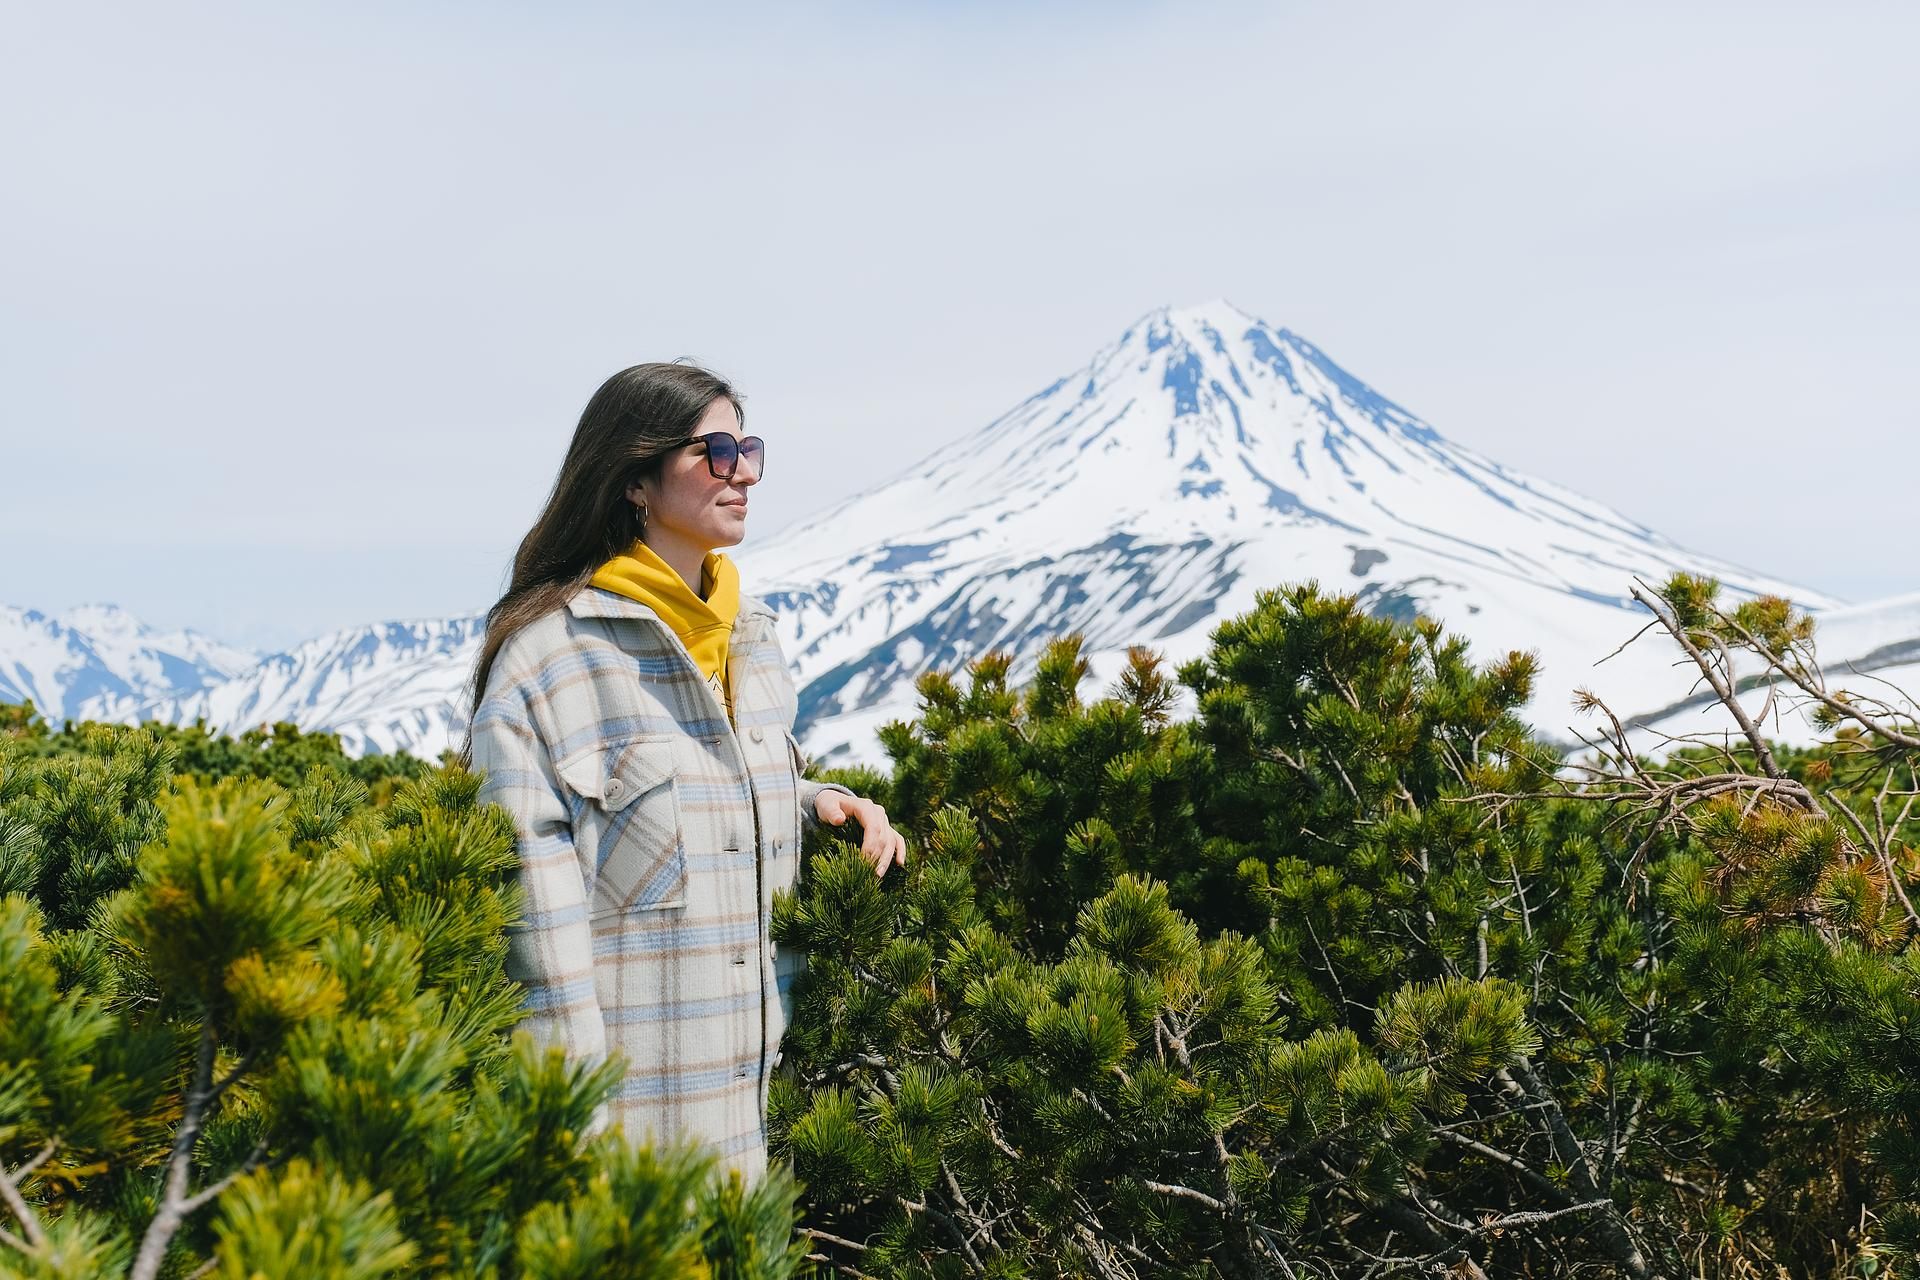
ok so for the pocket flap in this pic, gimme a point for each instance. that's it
(614, 774)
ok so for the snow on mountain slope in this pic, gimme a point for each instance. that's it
(99, 651)
(1143, 498)
(1201, 456)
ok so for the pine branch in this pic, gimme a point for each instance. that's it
(1499, 1223)
(1176, 1043)
(1403, 1215)
(1617, 1148)
(175, 1203)
(1097, 1253)
(1721, 683)
(1091, 1101)
(830, 1238)
(966, 1245)
(1796, 673)
(208, 1194)
(1186, 1193)
(1091, 1221)
(1885, 845)
(996, 1137)
(10, 1183)
(1539, 1180)
(980, 1226)
(1306, 918)
(1520, 1081)
(1272, 1244)
(841, 1268)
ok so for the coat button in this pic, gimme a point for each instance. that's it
(615, 788)
(755, 734)
(773, 951)
(777, 1055)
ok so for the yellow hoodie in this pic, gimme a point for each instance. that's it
(704, 625)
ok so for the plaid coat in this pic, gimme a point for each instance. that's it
(653, 835)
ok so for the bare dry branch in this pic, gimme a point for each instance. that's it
(16, 1201)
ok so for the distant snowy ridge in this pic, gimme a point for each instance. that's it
(392, 686)
(97, 653)
(1143, 498)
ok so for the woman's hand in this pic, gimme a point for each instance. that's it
(882, 846)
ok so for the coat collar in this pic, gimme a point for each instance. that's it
(598, 602)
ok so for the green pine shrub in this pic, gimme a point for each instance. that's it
(1347, 975)
(1340, 977)
(254, 1029)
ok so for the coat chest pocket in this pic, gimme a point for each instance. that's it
(630, 790)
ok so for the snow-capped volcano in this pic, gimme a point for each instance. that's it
(1141, 499)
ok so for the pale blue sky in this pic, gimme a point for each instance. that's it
(298, 308)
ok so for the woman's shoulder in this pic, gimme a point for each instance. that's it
(533, 648)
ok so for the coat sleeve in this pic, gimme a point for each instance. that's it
(550, 950)
(809, 792)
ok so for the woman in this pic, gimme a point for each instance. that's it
(634, 713)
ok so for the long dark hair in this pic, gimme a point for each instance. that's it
(629, 425)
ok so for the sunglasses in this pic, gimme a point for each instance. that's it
(724, 453)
